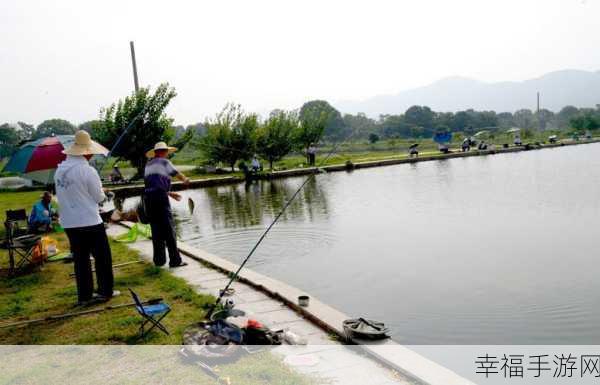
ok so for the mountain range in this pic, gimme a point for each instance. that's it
(557, 89)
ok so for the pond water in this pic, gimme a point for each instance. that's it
(484, 250)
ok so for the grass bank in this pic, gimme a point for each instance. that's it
(52, 291)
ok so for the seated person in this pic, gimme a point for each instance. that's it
(518, 141)
(42, 215)
(466, 145)
(115, 175)
(482, 145)
(413, 151)
(443, 148)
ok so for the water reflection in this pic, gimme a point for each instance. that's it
(248, 205)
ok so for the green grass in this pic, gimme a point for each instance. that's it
(142, 365)
(52, 291)
(17, 200)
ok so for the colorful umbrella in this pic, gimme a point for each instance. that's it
(37, 160)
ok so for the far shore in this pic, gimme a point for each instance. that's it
(371, 160)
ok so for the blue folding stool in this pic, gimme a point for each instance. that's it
(153, 313)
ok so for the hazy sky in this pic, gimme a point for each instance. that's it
(69, 58)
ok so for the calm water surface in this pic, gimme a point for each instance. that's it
(485, 250)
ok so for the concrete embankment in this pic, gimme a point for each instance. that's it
(137, 189)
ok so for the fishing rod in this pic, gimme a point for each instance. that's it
(225, 290)
(120, 138)
(76, 314)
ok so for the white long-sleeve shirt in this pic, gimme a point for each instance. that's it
(79, 191)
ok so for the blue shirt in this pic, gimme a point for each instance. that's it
(38, 215)
(157, 175)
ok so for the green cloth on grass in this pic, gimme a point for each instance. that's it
(138, 230)
(57, 228)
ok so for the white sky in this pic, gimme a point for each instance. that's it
(69, 58)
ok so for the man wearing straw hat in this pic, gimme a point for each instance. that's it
(79, 191)
(157, 179)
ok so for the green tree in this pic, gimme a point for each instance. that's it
(230, 136)
(313, 120)
(505, 120)
(145, 111)
(544, 118)
(26, 131)
(182, 137)
(9, 139)
(335, 127)
(360, 125)
(274, 138)
(199, 129)
(524, 118)
(90, 126)
(54, 127)
(373, 138)
(565, 115)
(585, 121)
(421, 116)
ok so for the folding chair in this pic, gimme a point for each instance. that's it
(20, 245)
(149, 312)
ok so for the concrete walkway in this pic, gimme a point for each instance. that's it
(324, 357)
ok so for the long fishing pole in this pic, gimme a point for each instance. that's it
(120, 138)
(268, 229)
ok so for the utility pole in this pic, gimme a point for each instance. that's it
(540, 125)
(135, 76)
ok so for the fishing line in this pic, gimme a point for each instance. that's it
(264, 234)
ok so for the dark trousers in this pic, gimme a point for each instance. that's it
(86, 241)
(163, 228)
(311, 159)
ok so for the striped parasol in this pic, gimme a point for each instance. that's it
(37, 160)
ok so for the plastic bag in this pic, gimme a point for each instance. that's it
(49, 246)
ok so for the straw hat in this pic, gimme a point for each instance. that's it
(84, 145)
(160, 146)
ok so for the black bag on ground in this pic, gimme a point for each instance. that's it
(362, 328)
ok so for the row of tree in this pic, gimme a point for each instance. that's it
(234, 135)
(422, 122)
